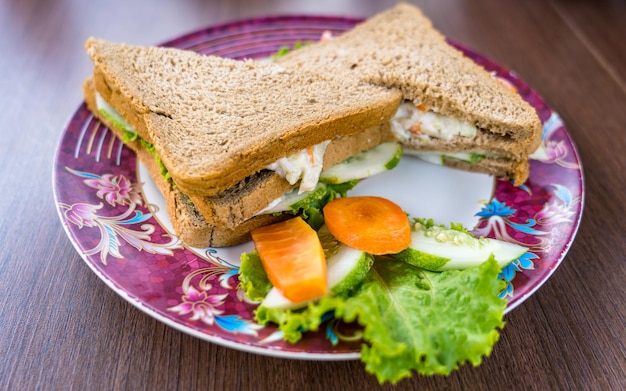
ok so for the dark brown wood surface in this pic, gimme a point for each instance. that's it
(62, 328)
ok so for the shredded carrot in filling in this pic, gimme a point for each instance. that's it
(311, 154)
(415, 128)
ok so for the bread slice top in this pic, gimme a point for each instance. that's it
(399, 48)
(214, 121)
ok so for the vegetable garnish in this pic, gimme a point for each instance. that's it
(412, 319)
(371, 224)
(438, 248)
(293, 259)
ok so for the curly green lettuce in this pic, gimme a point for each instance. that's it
(428, 322)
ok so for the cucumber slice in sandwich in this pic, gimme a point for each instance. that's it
(381, 158)
(438, 248)
(346, 267)
(112, 115)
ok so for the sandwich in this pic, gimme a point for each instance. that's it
(453, 112)
(225, 140)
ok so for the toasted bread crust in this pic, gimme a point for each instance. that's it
(211, 128)
(188, 223)
(483, 141)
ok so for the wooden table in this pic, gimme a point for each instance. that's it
(62, 328)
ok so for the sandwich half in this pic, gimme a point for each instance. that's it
(454, 112)
(224, 140)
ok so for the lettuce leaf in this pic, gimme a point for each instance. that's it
(163, 170)
(429, 322)
(294, 323)
(252, 277)
(130, 135)
(283, 50)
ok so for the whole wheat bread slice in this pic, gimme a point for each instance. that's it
(215, 121)
(188, 223)
(399, 48)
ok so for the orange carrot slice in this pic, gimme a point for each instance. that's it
(293, 258)
(371, 224)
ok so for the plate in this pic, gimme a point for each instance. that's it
(114, 216)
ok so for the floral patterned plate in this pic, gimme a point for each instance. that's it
(114, 216)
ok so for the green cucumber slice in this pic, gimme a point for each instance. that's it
(438, 248)
(112, 115)
(295, 200)
(345, 267)
(382, 157)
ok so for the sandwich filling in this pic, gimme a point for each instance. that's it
(421, 125)
(440, 157)
(304, 166)
(419, 122)
(340, 178)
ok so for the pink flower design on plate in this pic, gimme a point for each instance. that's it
(555, 151)
(81, 215)
(200, 304)
(115, 189)
(561, 209)
(554, 213)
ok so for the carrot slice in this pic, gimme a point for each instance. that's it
(293, 258)
(371, 224)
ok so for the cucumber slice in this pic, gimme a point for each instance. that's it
(345, 267)
(438, 248)
(112, 115)
(440, 157)
(294, 201)
(382, 157)
(276, 300)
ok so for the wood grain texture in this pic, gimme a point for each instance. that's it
(63, 329)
